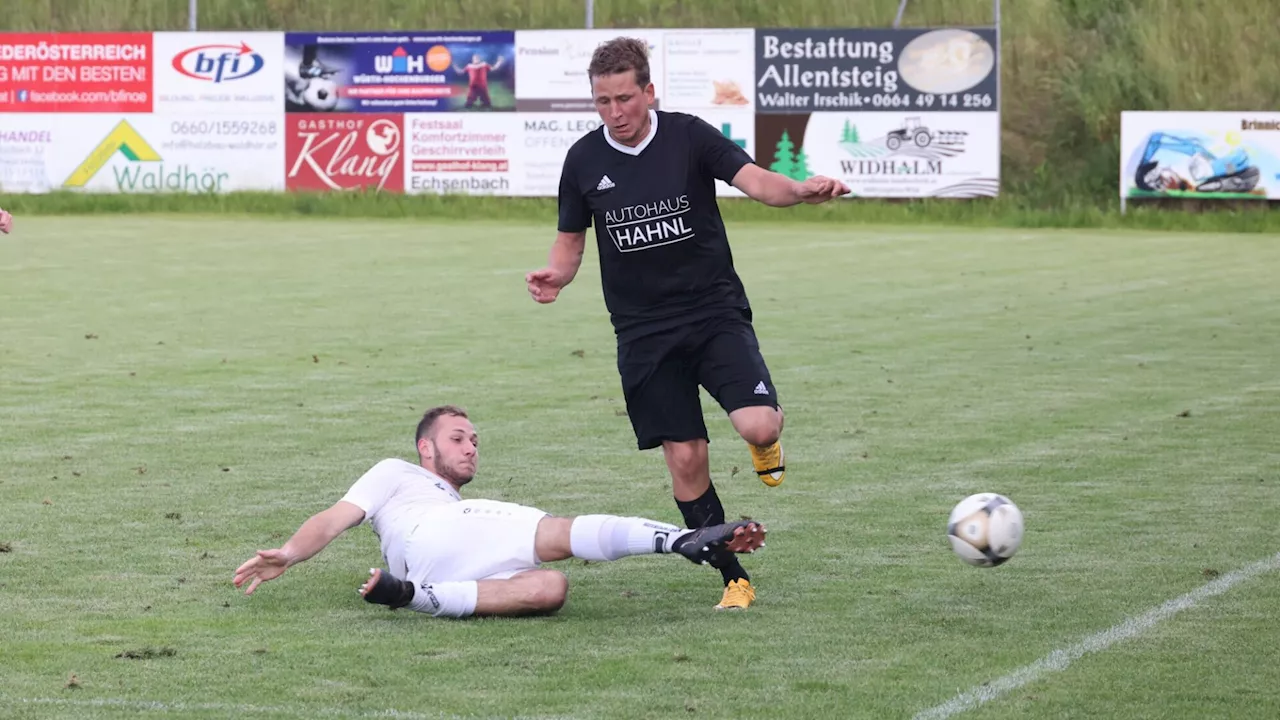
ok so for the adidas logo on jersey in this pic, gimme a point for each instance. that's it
(761, 389)
(605, 183)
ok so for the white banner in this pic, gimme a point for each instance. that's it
(26, 142)
(708, 70)
(552, 67)
(545, 139)
(468, 153)
(142, 153)
(1202, 155)
(881, 154)
(516, 154)
(218, 73)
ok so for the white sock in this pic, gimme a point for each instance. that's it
(609, 537)
(445, 599)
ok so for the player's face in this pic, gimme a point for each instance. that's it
(455, 450)
(623, 106)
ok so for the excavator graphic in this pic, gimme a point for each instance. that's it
(1231, 173)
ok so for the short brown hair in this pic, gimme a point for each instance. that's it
(429, 419)
(618, 56)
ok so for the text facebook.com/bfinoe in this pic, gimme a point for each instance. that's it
(55, 97)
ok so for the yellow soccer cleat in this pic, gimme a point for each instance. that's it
(738, 595)
(769, 465)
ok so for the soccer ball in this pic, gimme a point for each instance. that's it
(321, 94)
(985, 529)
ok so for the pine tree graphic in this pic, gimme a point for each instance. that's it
(789, 160)
(784, 159)
(800, 171)
(850, 134)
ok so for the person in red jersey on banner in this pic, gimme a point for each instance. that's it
(478, 80)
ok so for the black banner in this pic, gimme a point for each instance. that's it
(867, 70)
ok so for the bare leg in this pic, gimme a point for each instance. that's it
(759, 425)
(552, 542)
(690, 469)
(532, 592)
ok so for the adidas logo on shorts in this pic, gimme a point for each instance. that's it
(761, 389)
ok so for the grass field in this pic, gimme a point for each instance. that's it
(179, 392)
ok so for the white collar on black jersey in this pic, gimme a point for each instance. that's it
(653, 130)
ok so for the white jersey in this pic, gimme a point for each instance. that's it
(395, 495)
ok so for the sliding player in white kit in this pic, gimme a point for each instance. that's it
(450, 557)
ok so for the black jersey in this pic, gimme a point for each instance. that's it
(664, 255)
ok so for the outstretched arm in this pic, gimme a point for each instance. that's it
(562, 266)
(725, 160)
(317, 532)
(777, 190)
(571, 238)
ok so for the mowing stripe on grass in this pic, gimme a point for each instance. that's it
(216, 707)
(1060, 659)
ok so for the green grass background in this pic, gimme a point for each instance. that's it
(178, 392)
(180, 389)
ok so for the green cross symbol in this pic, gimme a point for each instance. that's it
(727, 129)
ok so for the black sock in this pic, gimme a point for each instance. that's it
(703, 512)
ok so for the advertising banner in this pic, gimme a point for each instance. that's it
(874, 70)
(708, 70)
(399, 72)
(75, 72)
(1201, 155)
(545, 139)
(553, 67)
(218, 73)
(738, 126)
(539, 143)
(142, 153)
(462, 154)
(887, 154)
(344, 151)
(26, 142)
(895, 113)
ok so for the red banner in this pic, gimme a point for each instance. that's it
(75, 72)
(344, 151)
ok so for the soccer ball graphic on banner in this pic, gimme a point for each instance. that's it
(321, 94)
(985, 529)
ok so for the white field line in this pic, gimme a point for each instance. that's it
(1060, 659)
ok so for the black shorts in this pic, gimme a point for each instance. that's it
(661, 374)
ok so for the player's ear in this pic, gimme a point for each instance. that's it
(424, 448)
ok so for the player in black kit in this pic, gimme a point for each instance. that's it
(646, 180)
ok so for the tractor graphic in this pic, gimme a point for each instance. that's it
(918, 133)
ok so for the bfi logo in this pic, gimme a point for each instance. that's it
(218, 63)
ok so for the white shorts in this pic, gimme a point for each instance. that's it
(473, 540)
